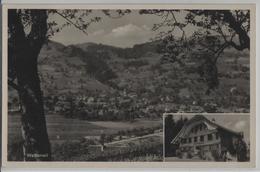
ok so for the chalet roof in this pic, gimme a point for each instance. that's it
(198, 118)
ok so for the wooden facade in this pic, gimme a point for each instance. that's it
(202, 136)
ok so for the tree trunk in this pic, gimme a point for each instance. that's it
(36, 143)
(25, 51)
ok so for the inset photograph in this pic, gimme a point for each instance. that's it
(208, 137)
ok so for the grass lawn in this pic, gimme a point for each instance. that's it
(60, 128)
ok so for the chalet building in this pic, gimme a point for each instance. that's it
(200, 136)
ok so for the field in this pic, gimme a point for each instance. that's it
(67, 135)
(60, 128)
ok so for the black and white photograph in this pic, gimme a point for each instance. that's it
(212, 137)
(92, 85)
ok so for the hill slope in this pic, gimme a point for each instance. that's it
(137, 75)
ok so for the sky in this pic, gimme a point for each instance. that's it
(235, 122)
(123, 32)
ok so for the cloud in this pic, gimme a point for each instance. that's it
(128, 35)
(129, 29)
(240, 125)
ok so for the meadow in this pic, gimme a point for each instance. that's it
(68, 138)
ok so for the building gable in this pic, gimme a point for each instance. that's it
(195, 123)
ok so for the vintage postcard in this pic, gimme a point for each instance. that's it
(119, 85)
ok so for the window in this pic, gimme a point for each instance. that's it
(213, 147)
(195, 129)
(202, 138)
(184, 140)
(210, 137)
(189, 140)
(217, 136)
(195, 139)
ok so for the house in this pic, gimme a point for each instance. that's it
(203, 137)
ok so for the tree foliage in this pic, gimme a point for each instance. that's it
(212, 32)
(171, 129)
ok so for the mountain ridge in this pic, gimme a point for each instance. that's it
(94, 69)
